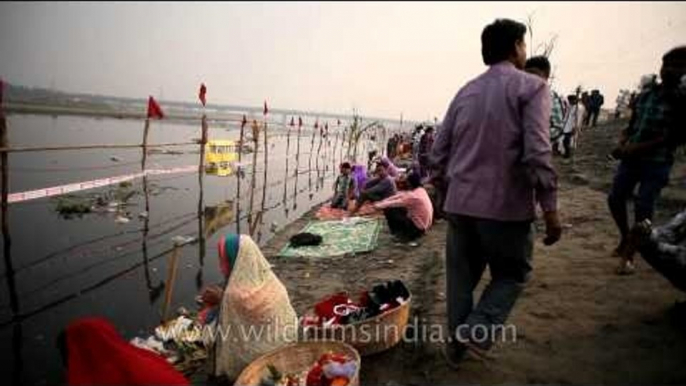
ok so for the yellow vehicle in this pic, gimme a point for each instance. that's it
(220, 154)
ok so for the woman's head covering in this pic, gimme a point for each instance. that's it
(360, 174)
(228, 251)
(97, 355)
(390, 167)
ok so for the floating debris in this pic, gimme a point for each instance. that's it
(182, 240)
(69, 206)
(164, 152)
(115, 159)
(122, 220)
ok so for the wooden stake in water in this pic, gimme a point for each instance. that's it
(7, 241)
(297, 166)
(201, 176)
(288, 148)
(253, 179)
(146, 130)
(238, 175)
(171, 279)
(264, 178)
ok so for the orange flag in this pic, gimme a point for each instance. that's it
(154, 109)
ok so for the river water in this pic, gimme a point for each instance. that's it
(66, 268)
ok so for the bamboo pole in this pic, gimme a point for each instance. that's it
(171, 279)
(253, 179)
(146, 230)
(297, 166)
(238, 176)
(146, 130)
(23, 149)
(146, 223)
(7, 241)
(335, 147)
(319, 149)
(201, 176)
(288, 148)
(342, 149)
(309, 165)
(264, 178)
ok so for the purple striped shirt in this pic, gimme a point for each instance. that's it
(494, 145)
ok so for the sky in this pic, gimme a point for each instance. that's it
(383, 59)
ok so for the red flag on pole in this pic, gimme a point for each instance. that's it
(300, 121)
(154, 110)
(266, 110)
(292, 122)
(203, 91)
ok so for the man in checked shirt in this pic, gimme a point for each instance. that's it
(540, 66)
(646, 148)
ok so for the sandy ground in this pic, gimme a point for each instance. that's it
(577, 322)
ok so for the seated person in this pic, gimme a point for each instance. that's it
(344, 188)
(409, 213)
(665, 250)
(252, 296)
(378, 188)
(390, 167)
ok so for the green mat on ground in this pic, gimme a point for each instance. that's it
(355, 235)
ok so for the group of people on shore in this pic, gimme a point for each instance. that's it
(489, 184)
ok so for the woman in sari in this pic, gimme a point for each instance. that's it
(255, 314)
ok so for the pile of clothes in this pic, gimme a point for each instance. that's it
(331, 369)
(340, 309)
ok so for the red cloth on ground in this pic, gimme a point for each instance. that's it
(97, 355)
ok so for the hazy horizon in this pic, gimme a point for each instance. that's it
(382, 58)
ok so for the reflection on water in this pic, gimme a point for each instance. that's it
(59, 269)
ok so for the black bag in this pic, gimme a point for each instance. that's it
(305, 239)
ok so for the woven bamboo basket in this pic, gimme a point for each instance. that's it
(294, 358)
(370, 336)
